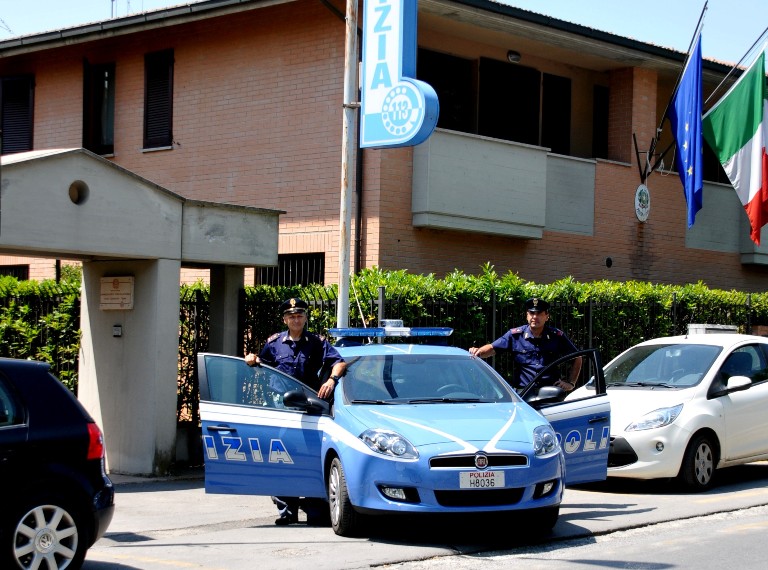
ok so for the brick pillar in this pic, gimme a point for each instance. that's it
(631, 109)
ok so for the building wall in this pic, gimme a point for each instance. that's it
(257, 113)
(258, 121)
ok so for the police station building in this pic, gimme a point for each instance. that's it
(532, 166)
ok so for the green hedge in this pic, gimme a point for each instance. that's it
(41, 320)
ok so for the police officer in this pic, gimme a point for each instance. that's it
(302, 355)
(534, 346)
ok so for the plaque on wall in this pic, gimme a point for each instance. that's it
(116, 293)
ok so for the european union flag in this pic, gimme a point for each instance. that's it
(685, 117)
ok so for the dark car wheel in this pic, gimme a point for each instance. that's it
(344, 519)
(47, 533)
(697, 472)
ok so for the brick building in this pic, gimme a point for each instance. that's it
(532, 168)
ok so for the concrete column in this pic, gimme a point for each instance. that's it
(226, 282)
(128, 382)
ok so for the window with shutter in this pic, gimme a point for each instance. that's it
(158, 99)
(20, 272)
(16, 106)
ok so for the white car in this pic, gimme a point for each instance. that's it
(685, 406)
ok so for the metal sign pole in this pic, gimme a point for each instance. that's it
(347, 161)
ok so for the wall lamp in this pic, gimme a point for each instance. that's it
(513, 56)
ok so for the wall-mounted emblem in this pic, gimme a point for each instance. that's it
(642, 202)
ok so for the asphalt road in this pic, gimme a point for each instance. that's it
(174, 524)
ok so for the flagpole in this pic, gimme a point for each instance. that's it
(696, 34)
(757, 41)
(655, 140)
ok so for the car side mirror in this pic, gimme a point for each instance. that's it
(545, 395)
(310, 404)
(738, 383)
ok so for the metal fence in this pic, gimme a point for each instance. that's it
(609, 327)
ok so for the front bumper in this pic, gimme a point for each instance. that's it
(648, 454)
(428, 489)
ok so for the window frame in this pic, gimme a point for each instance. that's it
(99, 108)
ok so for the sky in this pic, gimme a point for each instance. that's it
(730, 28)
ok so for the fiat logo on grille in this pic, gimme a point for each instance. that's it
(481, 461)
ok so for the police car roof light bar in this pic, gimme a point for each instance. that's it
(390, 331)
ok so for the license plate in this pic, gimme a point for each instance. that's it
(481, 479)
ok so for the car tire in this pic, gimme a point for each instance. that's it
(344, 519)
(46, 528)
(697, 472)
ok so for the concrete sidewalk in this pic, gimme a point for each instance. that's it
(152, 507)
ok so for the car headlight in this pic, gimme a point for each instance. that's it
(656, 419)
(389, 443)
(544, 440)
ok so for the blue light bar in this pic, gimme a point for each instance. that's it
(390, 331)
(355, 331)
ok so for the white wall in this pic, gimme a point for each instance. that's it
(128, 383)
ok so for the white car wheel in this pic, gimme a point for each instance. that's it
(698, 468)
(47, 535)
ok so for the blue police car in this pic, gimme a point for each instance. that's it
(413, 428)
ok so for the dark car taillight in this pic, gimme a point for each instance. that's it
(95, 442)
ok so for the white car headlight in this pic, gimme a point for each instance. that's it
(544, 440)
(389, 443)
(656, 419)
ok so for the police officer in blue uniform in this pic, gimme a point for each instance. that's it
(302, 355)
(534, 346)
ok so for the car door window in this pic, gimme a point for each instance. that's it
(744, 361)
(232, 381)
(10, 412)
(590, 375)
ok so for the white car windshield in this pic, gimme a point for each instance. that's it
(419, 378)
(662, 365)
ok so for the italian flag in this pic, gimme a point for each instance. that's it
(736, 128)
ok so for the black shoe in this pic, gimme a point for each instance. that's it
(286, 520)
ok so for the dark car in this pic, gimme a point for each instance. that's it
(56, 499)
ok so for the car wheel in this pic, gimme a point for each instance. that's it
(344, 518)
(698, 469)
(47, 533)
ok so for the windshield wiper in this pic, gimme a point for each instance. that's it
(641, 384)
(382, 402)
(443, 400)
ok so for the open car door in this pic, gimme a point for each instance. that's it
(254, 441)
(583, 424)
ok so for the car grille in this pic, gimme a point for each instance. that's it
(620, 453)
(468, 461)
(477, 498)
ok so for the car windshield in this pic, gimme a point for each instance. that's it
(662, 365)
(418, 378)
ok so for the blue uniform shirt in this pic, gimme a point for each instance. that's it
(532, 354)
(301, 359)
